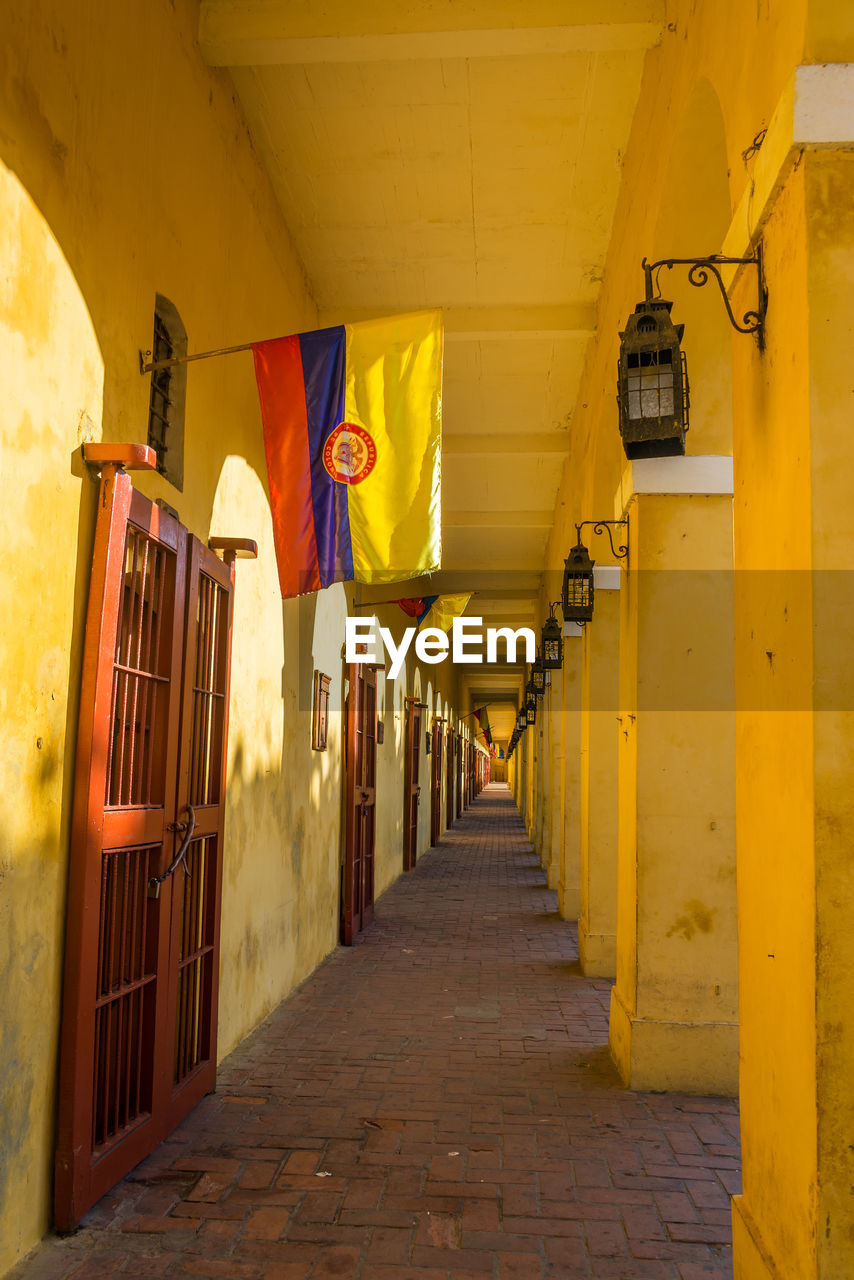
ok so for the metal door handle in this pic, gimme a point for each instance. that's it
(188, 828)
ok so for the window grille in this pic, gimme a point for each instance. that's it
(166, 400)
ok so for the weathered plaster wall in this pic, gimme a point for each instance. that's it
(126, 170)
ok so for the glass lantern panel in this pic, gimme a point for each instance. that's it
(649, 383)
(579, 592)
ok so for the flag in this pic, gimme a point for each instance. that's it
(352, 434)
(439, 611)
(483, 720)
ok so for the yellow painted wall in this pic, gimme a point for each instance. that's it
(743, 55)
(829, 194)
(775, 740)
(125, 171)
(52, 376)
(797, 984)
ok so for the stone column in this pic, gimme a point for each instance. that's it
(557, 781)
(674, 1006)
(794, 549)
(597, 918)
(570, 870)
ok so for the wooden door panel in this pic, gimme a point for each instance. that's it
(436, 783)
(124, 794)
(360, 801)
(411, 785)
(139, 1005)
(197, 897)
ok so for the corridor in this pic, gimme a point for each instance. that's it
(434, 1103)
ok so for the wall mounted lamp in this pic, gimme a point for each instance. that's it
(538, 676)
(652, 376)
(552, 642)
(577, 593)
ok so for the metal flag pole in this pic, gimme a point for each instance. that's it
(153, 365)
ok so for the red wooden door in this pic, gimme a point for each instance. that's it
(411, 787)
(197, 879)
(118, 1084)
(449, 785)
(358, 874)
(436, 783)
(461, 755)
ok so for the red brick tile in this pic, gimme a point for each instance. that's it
(452, 1259)
(258, 1175)
(159, 1226)
(227, 1267)
(480, 1215)
(336, 1263)
(267, 1223)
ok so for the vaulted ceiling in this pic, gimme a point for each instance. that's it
(465, 155)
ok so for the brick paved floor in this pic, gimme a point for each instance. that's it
(435, 1103)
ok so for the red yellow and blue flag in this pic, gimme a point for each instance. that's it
(352, 435)
(439, 611)
(483, 721)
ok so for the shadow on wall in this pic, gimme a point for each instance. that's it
(52, 374)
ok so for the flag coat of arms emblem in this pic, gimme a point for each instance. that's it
(352, 435)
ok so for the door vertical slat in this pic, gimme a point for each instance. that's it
(198, 884)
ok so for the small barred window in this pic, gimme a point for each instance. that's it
(168, 388)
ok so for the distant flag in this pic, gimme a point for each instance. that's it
(437, 611)
(352, 434)
(483, 720)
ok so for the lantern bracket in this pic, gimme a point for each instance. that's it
(602, 526)
(702, 268)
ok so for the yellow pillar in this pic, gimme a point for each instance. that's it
(674, 1006)
(557, 781)
(570, 859)
(794, 524)
(530, 767)
(543, 759)
(597, 916)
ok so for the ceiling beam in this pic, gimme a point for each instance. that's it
(497, 519)
(484, 324)
(270, 33)
(543, 442)
(491, 582)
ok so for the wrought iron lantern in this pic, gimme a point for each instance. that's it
(577, 593)
(552, 650)
(653, 382)
(538, 676)
(531, 713)
(521, 722)
(530, 694)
